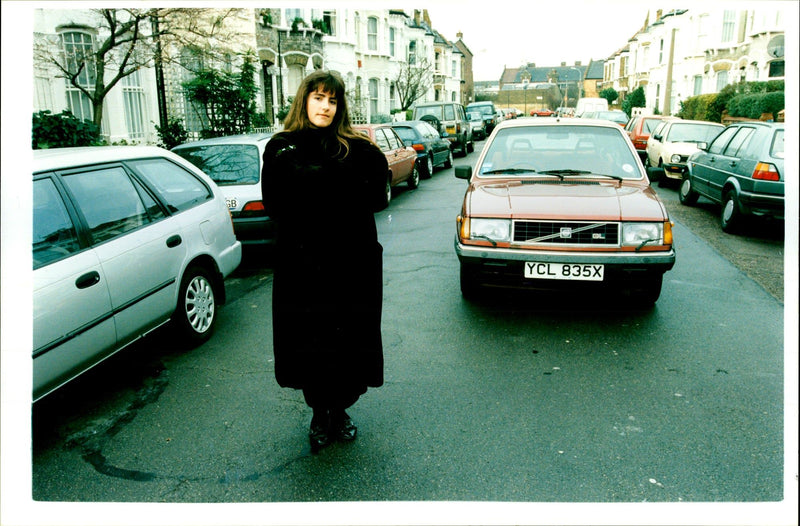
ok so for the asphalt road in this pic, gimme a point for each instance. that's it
(535, 401)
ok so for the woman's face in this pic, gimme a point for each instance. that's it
(321, 107)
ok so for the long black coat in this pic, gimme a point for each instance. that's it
(328, 279)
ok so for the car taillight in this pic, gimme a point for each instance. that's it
(252, 209)
(418, 147)
(766, 172)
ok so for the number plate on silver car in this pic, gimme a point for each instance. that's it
(571, 271)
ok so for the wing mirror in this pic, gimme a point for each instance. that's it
(464, 172)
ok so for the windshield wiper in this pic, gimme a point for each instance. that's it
(568, 172)
(510, 171)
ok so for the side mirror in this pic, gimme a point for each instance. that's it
(659, 138)
(464, 172)
(702, 146)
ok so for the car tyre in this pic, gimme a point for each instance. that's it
(730, 217)
(413, 180)
(686, 194)
(427, 171)
(387, 191)
(196, 313)
(449, 162)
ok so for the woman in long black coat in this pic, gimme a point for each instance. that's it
(321, 184)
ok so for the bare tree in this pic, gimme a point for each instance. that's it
(413, 81)
(128, 40)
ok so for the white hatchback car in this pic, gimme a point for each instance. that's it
(673, 141)
(125, 239)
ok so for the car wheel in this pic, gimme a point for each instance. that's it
(730, 216)
(644, 293)
(413, 180)
(663, 180)
(449, 162)
(427, 172)
(388, 190)
(462, 150)
(686, 195)
(195, 314)
(471, 146)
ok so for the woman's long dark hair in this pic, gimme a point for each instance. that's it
(341, 128)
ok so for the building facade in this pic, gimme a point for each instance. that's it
(367, 47)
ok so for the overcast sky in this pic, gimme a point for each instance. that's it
(545, 32)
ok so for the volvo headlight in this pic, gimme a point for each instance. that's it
(497, 230)
(640, 234)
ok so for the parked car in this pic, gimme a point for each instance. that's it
(489, 112)
(478, 125)
(742, 169)
(672, 142)
(124, 240)
(432, 150)
(639, 129)
(542, 112)
(448, 117)
(562, 204)
(234, 163)
(402, 159)
(618, 116)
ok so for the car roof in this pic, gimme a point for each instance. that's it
(244, 138)
(61, 158)
(688, 121)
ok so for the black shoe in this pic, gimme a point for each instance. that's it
(319, 432)
(342, 427)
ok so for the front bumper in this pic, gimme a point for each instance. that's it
(674, 170)
(504, 267)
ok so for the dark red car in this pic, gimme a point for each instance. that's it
(542, 112)
(402, 159)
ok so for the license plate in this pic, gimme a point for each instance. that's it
(232, 203)
(569, 271)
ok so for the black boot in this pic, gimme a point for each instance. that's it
(319, 432)
(342, 426)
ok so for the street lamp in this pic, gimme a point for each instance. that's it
(580, 78)
(525, 89)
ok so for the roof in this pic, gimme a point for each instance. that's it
(229, 139)
(60, 158)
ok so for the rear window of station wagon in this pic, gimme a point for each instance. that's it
(226, 164)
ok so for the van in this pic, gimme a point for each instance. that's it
(489, 112)
(450, 119)
(587, 104)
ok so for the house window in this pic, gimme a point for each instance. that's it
(78, 48)
(372, 33)
(292, 15)
(661, 52)
(453, 69)
(133, 97)
(329, 18)
(658, 95)
(294, 77)
(728, 24)
(722, 79)
(373, 97)
(698, 85)
(391, 41)
(412, 52)
(776, 68)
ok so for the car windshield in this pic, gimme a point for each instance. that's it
(612, 116)
(559, 151)
(650, 124)
(226, 164)
(688, 132)
(484, 109)
(474, 116)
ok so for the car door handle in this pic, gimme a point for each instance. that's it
(88, 279)
(733, 164)
(174, 241)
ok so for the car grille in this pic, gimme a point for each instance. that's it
(566, 233)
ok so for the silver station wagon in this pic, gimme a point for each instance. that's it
(124, 240)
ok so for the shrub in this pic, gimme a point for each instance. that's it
(380, 118)
(752, 105)
(62, 131)
(610, 94)
(696, 108)
(172, 134)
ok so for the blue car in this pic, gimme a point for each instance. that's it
(432, 150)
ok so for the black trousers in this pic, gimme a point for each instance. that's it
(331, 397)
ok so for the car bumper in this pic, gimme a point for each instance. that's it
(762, 204)
(254, 230)
(505, 267)
(230, 258)
(674, 171)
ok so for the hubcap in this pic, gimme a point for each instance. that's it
(685, 187)
(727, 212)
(430, 166)
(200, 304)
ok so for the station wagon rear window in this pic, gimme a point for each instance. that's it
(226, 164)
